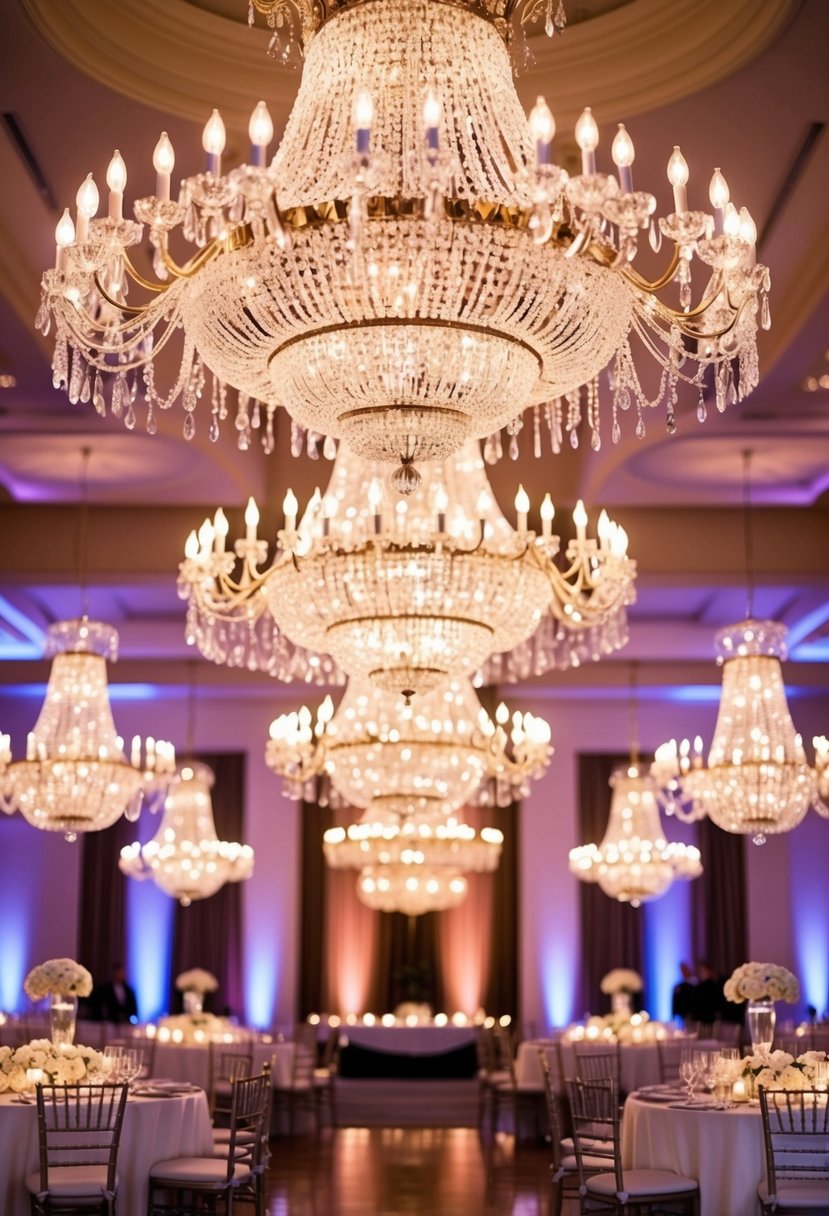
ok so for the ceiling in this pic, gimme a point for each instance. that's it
(740, 84)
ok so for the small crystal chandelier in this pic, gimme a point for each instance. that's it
(76, 777)
(757, 781)
(411, 269)
(410, 595)
(185, 858)
(634, 863)
(433, 759)
(412, 865)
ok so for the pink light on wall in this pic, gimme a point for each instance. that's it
(465, 947)
(350, 944)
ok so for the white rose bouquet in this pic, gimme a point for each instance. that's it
(621, 979)
(761, 981)
(780, 1070)
(194, 1027)
(65, 1067)
(57, 977)
(196, 980)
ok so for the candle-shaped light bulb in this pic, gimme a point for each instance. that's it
(719, 195)
(441, 503)
(87, 203)
(587, 137)
(748, 228)
(251, 520)
(580, 520)
(678, 177)
(290, 506)
(431, 120)
(502, 714)
(605, 529)
(213, 141)
(363, 117)
(547, 515)
(64, 236)
(623, 154)
(191, 546)
(484, 503)
(375, 497)
(205, 537)
(731, 220)
(542, 130)
(220, 527)
(522, 506)
(164, 159)
(260, 130)
(116, 181)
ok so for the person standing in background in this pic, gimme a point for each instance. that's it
(115, 1001)
(682, 1001)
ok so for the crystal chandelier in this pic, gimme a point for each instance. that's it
(408, 595)
(413, 865)
(433, 759)
(757, 780)
(76, 776)
(634, 863)
(185, 858)
(411, 268)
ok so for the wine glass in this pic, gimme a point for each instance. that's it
(131, 1062)
(688, 1069)
(113, 1062)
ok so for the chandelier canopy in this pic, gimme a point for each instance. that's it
(409, 595)
(757, 781)
(76, 776)
(433, 759)
(634, 863)
(185, 858)
(411, 268)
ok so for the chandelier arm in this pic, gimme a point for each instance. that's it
(213, 249)
(99, 361)
(135, 310)
(653, 285)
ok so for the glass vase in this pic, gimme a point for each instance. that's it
(620, 1003)
(761, 1019)
(193, 1002)
(63, 1013)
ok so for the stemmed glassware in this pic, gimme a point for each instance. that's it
(131, 1062)
(689, 1071)
(113, 1062)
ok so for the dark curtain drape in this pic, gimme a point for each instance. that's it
(102, 929)
(503, 986)
(312, 906)
(718, 900)
(208, 934)
(612, 934)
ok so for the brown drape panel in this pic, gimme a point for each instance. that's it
(209, 933)
(718, 899)
(501, 993)
(313, 994)
(102, 936)
(611, 933)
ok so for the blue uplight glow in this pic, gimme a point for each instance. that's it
(667, 944)
(117, 692)
(261, 983)
(810, 915)
(557, 980)
(149, 917)
(19, 903)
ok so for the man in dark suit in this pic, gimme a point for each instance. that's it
(115, 1001)
(682, 1002)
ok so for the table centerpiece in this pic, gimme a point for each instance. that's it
(63, 981)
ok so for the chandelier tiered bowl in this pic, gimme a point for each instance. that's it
(76, 776)
(634, 862)
(415, 864)
(432, 759)
(757, 781)
(185, 858)
(410, 593)
(411, 268)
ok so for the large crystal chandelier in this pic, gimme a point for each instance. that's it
(757, 780)
(413, 865)
(76, 776)
(408, 594)
(634, 862)
(411, 268)
(185, 858)
(434, 758)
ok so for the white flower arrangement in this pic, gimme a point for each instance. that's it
(66, 1066)
(196, 980)
(57, 977)
(621, 979)
(761, 981)
(619, 1027)
(193, 1028)
(780, 1070)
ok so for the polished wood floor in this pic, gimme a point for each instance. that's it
(439, 1171)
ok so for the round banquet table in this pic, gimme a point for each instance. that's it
(722, 1149)
(191, 1061)
(638, 1062)
(154, 1129)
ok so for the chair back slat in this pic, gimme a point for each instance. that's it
(594, 1109)
(79, 1125)
(596, 1062)
(796, 1136)
(249, 1122)
(550, 1068)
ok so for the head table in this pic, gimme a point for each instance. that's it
(154, 1129)
(722, 1149)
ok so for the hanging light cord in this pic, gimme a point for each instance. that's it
(191, 711)
(748, 533)
(633, 718)
(82, 541)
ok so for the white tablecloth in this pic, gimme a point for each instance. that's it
(638, 1063)
(191, 1062)
(410, 1040)
(723, 1150)
(154, 1129)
